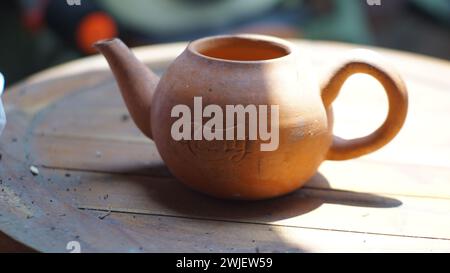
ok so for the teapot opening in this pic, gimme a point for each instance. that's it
(240, 48)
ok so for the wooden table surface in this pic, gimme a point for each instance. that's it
(102, 183)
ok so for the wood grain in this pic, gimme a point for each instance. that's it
(343, 210)
(194, 235)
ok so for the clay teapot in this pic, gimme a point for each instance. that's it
(284, 131)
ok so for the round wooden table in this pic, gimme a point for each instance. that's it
(76, 174)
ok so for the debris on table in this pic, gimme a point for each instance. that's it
(101, 217)
(125, 118)
(34, 170)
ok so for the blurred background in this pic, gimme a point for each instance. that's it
(36, 34)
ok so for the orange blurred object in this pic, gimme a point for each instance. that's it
(95, 26)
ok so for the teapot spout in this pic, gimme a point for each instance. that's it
(136, 81)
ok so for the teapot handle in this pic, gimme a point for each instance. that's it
(367, 62)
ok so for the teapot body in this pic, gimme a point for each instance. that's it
(284, 93)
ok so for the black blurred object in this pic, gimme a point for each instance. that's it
(33, 13)
(80, 25)
(27, 46)
(409, 26)
(438, 10)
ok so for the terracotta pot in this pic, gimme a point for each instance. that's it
(250, 70)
